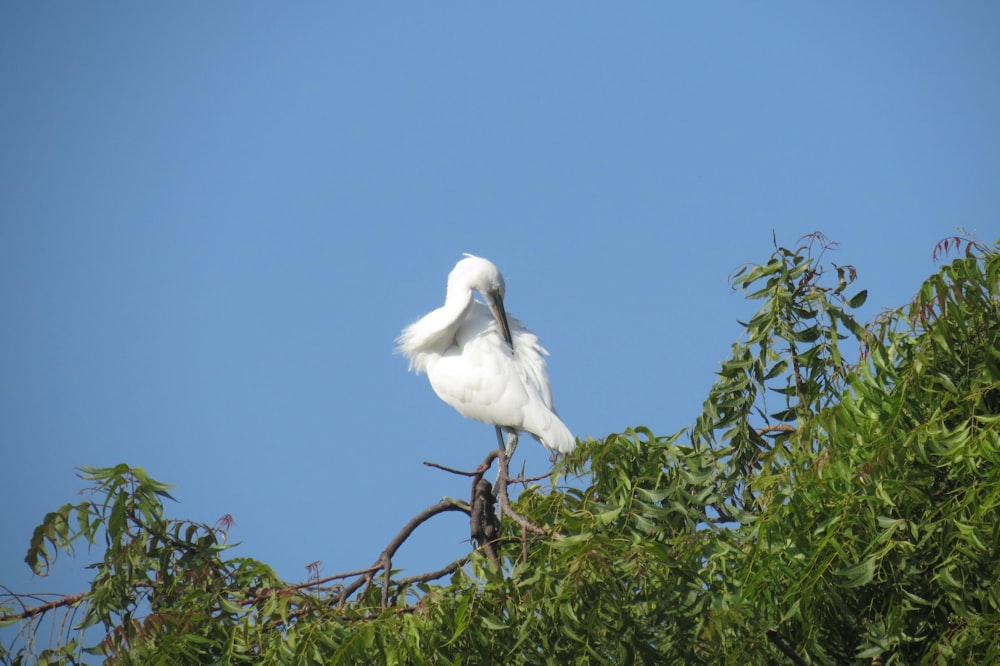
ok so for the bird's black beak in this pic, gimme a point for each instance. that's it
(496, 307)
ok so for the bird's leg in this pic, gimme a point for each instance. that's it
(511, 443)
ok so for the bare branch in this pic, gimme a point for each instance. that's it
(35, 611)
(529, 479)
(479, 471)
(452, 470)
(432, 575)
(781, 427)
(326, 579)
(441, 507)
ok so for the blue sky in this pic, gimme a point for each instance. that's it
(216, 217)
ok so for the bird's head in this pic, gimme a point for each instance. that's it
(483, 276)
(480, 274)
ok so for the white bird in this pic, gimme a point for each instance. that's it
(488, 367)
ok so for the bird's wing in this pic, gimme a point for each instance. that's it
(479, 375)
(428, 337)
(530, 355)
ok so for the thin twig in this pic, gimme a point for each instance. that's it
(529, 479)
(326, 579)
(452, 470)
(441, 507)
(781, 427)
(34, 611)
(483, 466)
(432, 575)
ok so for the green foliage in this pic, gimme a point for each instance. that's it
(835, 502)
(875, 530)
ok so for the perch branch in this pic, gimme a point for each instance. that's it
(397, 541)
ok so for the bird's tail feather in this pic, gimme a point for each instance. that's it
(557, 437)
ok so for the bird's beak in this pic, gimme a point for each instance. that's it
(495, 302)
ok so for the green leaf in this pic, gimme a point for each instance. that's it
(858, 299)
(859, 574)
(229, 607)
(493, 624)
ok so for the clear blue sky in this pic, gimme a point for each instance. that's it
(216, 217)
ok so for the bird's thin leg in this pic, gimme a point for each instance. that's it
(511, 443)
(500, 438)
(507, 450)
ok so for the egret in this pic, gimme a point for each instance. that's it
(487, 366)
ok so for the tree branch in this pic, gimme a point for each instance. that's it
(397, 541)
(432, 575)
(479, 471)
(451, 470)
(530, 479)
(786, 649)
(34, 611)
(781, 427)
(484, 526)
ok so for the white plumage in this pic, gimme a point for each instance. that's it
(488, 367)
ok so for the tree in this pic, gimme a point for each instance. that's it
(821, 510)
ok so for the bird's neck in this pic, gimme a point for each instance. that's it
(437, 329)
(457, 302)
